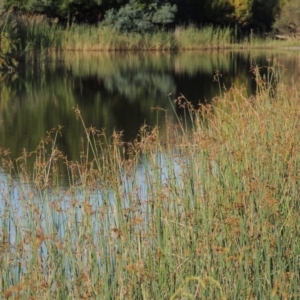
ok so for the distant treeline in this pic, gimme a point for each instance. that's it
(146, 15)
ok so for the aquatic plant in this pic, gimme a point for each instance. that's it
(209, 209)
(39, 34)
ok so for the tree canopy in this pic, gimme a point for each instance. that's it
(138, 16)
(288, 21)
(142, 15)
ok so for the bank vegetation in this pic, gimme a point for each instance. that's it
(208, 209)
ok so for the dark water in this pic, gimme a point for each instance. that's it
(115, 91)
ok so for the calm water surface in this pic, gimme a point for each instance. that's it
(115, 91)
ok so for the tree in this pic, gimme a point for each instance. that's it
(8, 41)
(242, 14)
(218, 12)
(288, 21)
(223, 12)
(264, 13)
(141, 16)
(67, 11)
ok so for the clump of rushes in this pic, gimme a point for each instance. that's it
(205, 212)
(42, 36)
(39, 34)
(8, 42)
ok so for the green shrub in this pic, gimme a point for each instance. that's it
(8, 41)
(137, 17)
(288, 21)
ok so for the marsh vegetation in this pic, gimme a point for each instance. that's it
(203, 203)
(208, 212)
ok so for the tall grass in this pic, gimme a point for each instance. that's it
(204, 38)
(97, 38)
(38, 33)
(206, 212)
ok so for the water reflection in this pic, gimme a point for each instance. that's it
(39, 221)
(115, 91)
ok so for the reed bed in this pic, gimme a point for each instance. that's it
(99, 38)
(208, 37)
(209, 210)
(40, 34)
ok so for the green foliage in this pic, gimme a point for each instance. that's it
(219, 11)
(207, 213)
(8, 41)
(258, 14)
(288, 21)
(137, 16)
(141, 15)
(26, 5)
(67, 11)
(242, 11)
(264, 13)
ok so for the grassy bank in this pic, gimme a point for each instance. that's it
(96, 38)
(36, 33)
(207, 213)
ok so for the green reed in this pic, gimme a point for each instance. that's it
(209, 209)
(39, 34)
(97, 38)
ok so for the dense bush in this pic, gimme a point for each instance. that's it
(79, 11)
(141, 17)
(245, 14)
(289, 22)
(8, 41)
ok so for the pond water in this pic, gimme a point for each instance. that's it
(116, 91)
